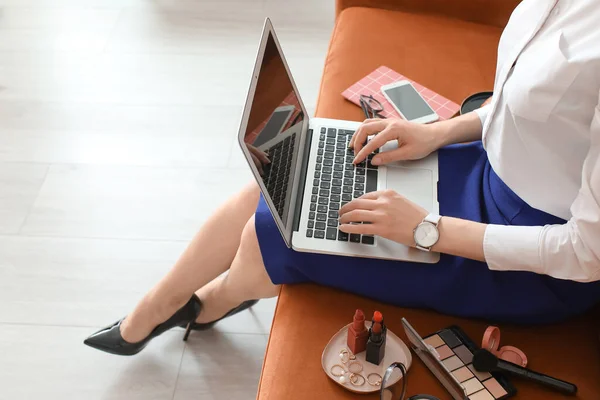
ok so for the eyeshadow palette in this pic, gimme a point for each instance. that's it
(449, 354)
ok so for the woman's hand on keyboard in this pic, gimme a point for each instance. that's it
(389, 215)
(415, 141)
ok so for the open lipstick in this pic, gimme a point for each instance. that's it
(378, 317)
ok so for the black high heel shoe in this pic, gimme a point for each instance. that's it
(195, 326)
(110, 340)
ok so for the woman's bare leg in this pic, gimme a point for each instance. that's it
(208, 255)
(246, 279)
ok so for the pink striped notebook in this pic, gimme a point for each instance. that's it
(372, 83)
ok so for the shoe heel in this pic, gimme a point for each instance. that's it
(188, 330)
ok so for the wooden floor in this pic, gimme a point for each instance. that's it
(117, 126)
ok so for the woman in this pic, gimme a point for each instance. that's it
(520, 227)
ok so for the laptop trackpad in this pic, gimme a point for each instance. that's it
(415, 184)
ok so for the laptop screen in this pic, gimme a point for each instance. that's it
(274, 127)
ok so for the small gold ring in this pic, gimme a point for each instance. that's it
(338, 374)
(358, 368)
(358, 377)
(377, 382)
(352, 357)
(344, 356)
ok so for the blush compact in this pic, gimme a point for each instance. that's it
(491, 342)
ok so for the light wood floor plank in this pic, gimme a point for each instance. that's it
(118, 123)
(44, 362)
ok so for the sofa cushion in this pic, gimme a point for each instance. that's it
(452, 57)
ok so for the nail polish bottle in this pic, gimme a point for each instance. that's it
(375, 345)
(357, 333)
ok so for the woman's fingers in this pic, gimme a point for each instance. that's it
(371, 195)
(362, 203)
(376, 142)
(368, 128)
(364, 209)
(363, 229)
(358, 131)
(399, 154)
(357, 216)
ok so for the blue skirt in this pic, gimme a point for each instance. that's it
(468, 189)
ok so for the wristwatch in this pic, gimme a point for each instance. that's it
(426, 234)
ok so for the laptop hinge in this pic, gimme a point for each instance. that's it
(303, 170)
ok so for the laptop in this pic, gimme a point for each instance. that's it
(310, 175)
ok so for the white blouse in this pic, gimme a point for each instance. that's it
(542, 136)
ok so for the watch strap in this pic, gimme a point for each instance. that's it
(433, 218)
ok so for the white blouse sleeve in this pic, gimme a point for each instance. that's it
(570, 251)
(483, 113)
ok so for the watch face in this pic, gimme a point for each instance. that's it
(426, 234)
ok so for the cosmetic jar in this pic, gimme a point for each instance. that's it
(474, 101)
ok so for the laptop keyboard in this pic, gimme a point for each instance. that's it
(336, 182)
(276, 173)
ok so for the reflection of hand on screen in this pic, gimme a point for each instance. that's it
(259, 157)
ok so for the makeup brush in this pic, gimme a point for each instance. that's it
(484, 361)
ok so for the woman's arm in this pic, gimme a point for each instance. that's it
(570, 251)
(461, 238)
(457, 237)
(394, 217)
(466, 128)
(415, 141)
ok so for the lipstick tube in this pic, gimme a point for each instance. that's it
(375, 345)
(357, 333)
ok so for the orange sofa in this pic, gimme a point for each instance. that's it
(449, 46)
